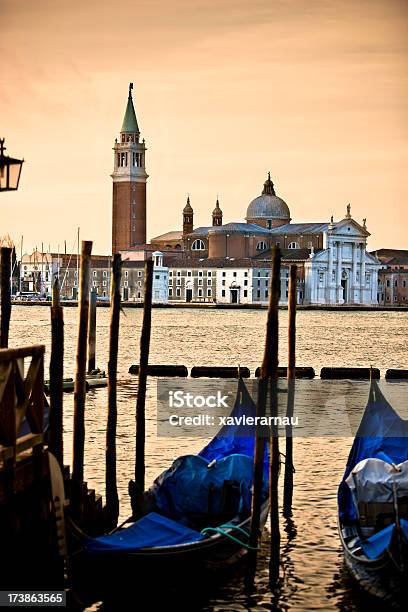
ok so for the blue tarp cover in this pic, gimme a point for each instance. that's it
(190, 487)
(151, 530)
(382, 434)
(375, 545)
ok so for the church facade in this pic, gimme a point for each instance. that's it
(230, 262)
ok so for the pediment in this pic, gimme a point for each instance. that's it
(349, 227)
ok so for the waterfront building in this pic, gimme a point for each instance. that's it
(393, 277)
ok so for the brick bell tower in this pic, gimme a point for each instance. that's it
(129, 184)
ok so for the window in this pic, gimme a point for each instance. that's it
(122, 160)
(223, 273)
(259, 283)
(188, 272)
(200, 273)
(245, 292)
(209, 273)
(105, 273)
(245, 282)
(126, 274)
(261, 246)
(170, 291)
(157, 276)
(223, 293)
(94, 273)
(170, 273)
(234, 274)
(104, 283)
(258, 293)
(245, 274)
(266, 293)
(208, 281)
(179, 281)
(310, 244)
(200, 281)
(198, 245)
(223, 282)
(200, 293)
(95, 283)
(404, 283)
(209, 292)
(125, 284)
(139, 273)
(178, 291)
(139, 283)
(269, 224)
(396, 283)
(293, 245)
(321, 278)
(178, 273)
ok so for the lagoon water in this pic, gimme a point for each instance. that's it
(312, 572)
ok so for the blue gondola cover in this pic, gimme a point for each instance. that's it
(382, 434)
(151, 530)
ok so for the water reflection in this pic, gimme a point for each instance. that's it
(312, 573)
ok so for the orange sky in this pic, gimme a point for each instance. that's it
(313, 90)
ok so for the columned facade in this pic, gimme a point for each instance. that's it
(343, 272)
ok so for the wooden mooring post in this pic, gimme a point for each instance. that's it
(92, 332)
(272, 339)
(80, 378)
(55, 434)
(5, 295)
(289, 469)
(268, 379)
(112, 499)
(141, 391)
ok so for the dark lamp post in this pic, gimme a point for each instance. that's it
(10, 170)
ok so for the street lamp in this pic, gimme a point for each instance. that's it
(10, 170)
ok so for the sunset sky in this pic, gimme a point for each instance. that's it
(315, 91)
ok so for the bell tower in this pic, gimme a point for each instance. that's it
(188, 218)
(217, 215)
(129, 184)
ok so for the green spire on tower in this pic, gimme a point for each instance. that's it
(129, 125)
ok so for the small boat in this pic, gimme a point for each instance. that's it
(373, 502)
(195, 517)
(96, 379)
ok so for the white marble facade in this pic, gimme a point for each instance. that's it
(160, 288)
(343, 272)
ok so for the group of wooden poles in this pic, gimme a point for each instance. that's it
(268, 381)
(86, 325)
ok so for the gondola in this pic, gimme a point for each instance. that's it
(373, 502)
(194, 518)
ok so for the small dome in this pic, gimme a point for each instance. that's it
(188, 207)
(217, 210)
(268, 205)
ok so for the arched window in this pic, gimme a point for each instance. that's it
(198, 245)
(293, 245)
(261, 246)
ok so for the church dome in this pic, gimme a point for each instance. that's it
(268, 205)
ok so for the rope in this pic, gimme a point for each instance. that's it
(230, 536)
